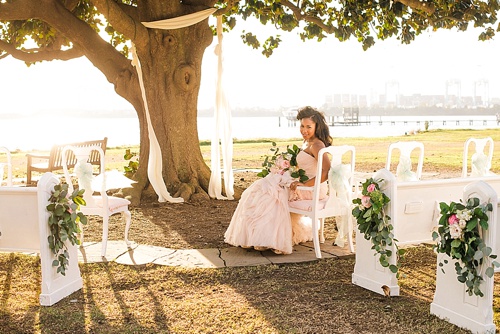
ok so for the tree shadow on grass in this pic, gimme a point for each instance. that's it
(313, 297)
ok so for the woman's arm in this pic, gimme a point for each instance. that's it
(325, 166)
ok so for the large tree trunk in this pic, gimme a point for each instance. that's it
(171, 64)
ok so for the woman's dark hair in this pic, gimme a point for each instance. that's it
(322, 130)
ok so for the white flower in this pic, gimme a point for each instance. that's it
(455, 231)
(462, 223)
(464, 214)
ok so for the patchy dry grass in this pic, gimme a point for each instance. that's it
(315, 297)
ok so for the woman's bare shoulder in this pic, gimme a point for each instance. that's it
(316, 146)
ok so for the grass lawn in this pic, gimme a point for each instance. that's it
(315, 297)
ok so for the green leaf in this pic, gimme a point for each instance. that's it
(484, 223)
(478, 255)
(471, 224)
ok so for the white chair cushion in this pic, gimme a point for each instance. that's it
(114, 203)
(306, 204)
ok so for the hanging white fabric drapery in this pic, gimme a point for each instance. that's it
(222, 118)
(155, 164)
(155, 159)
(181, 21)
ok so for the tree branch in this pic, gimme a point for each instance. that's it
(129, 10)
(18, 10)
(71, 4)
(229, 6)
(34, 55)
(118, 18)
(297, 12)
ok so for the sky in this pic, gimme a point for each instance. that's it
(298, 73)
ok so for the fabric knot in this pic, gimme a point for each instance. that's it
(340, 197)
(479, 164)
(403, 170)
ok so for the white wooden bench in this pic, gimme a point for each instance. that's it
(24, 228)
(414, 211)
(451, 301)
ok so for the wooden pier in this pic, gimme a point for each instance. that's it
(471, 122)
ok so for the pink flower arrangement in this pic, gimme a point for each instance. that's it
(282, 162)
(366, 201)
(452, 220)
(459, 236)
(374, 223)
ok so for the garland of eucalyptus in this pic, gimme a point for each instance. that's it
(63, 223)
(375, 224)
(458, 237)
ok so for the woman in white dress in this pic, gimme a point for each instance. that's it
(261, 219)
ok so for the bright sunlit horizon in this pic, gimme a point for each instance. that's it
(298, 73)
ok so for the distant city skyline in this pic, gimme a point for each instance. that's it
(392, 97)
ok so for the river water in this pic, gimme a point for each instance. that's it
(40, 133)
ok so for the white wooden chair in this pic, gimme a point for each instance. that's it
(404, 168)
(101, 205)
(8, 180)
(480, 162)
(339, 201)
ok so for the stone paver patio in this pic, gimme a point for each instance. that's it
(117, 251)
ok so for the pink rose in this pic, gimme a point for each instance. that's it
(284, 164)
(366, 201)
(453, 219)
(371, 188)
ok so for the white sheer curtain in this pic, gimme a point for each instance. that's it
(222, 118)
(155, 164)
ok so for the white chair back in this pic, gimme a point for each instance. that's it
(404, 168)
(8, 164)
(338, 203)
(84, 172)
(101, 205)
(480, 162)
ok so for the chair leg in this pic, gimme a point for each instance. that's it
(127, 216)
(317, 248)
(322, 230)
(81, 233)
(105, 221)
(350, 231)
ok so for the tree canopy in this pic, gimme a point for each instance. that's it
(364, 20)
(367, 21)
